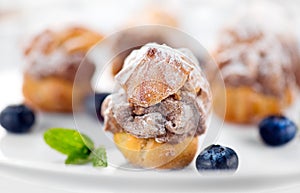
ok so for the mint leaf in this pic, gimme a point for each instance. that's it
(77, 159)
(77, 146)
(69, 142)
(99, 157)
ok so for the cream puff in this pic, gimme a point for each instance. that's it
(257, 68)
(160, 109)
(53, 58)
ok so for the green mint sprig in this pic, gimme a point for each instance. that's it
(78, 147)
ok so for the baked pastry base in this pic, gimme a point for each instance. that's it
(147, 153)
(244, 105)
(52, 94)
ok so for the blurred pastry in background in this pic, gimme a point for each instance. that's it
(147, 16)
(161, 108)
(294, 48)
(257, 67)
(52, 60)
(153, 16)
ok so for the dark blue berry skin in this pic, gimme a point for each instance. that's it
(217, 157)
(17, 118)
(277, 130)
(93, 104)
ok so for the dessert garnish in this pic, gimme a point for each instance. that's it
(217, 157)
(277, 130)
(77, 146)
(17, 118)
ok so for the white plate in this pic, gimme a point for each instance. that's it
(27, 157)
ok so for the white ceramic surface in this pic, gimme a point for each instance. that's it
(27, 157)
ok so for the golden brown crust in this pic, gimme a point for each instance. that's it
(146, 77)
(244, 105)
(51, 94)
(147, 153)
(72, 39)
(79, 39)
(117, 63)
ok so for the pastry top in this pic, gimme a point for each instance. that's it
(163, 95)
(59, 53)
(141, 35)
(249, 55)
(152, 73)
(153, 16)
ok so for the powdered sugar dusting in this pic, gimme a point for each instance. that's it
(41, 64)
(59, 53)
(173, 99)
(140, 68)
(252, 56)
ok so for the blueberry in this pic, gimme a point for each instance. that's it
(217, 157)
(17, 118)
(277, 130)
(93, 104)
